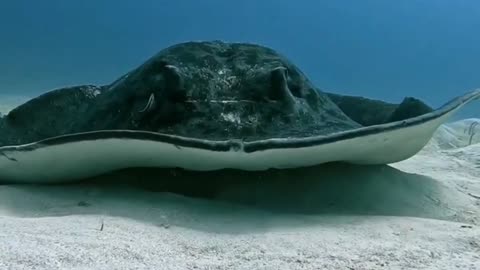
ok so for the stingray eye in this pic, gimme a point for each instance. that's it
(172, 76)
(155, 68)
(295, 86)
(174, 86)
(167, 87)
(295, 89)
(279, 89)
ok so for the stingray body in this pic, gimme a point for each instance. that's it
(208, 106)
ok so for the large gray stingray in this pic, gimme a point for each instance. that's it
(208, 106)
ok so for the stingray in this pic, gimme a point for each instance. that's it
(206, 106)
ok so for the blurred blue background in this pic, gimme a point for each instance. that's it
(374, 48)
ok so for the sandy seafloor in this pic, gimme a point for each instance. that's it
(422, 213)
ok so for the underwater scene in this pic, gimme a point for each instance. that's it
(240, 135)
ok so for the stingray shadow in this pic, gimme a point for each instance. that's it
(247, 200)
(335, 188)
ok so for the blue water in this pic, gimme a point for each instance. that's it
(379, 49)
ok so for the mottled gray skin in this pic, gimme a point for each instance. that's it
(220, 91)
(54, 113)
(207, 90)
(368, 112)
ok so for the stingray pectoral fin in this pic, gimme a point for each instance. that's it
(81, 155)
(378, 144)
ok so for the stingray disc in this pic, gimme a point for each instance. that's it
(208, 106)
